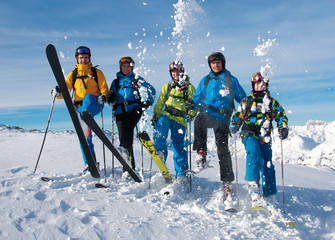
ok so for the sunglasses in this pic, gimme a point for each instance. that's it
(83, 50)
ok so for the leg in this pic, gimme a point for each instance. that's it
(90, 103)
(254, 158)
(221, 140)
(161, 133)
(200, 132)
(179, 153)
(268, 171)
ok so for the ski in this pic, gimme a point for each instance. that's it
(147, 143)
(57, 71)
(198, 170)
(89, 120)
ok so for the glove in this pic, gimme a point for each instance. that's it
(55, 92)
(283, 132)
(101, 99)
(189, 104)
(146, 104)
(188, 118)
(110, 96)
(154, 120)
(233, 129)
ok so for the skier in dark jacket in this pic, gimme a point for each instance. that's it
(255, 115)
(214, 98)
(130, 95)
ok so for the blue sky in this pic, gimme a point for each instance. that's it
(302, 60)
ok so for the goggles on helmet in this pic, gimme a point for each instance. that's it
(83, 50)
(176, 65)
(126, 60)
(215, 56)
(258, 77)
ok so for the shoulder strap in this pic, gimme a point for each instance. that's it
(75, 75)
(168, 92)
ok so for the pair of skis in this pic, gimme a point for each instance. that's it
(88, 119)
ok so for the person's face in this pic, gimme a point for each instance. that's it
(216, 66)
(175, 74)
(260, 86)
(83, 59)
(126, 68)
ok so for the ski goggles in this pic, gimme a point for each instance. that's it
(178, 66)
(215, 57)
(126, 60)
(258, 77)
(83, 50)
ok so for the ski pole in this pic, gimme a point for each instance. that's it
(236, 170)
(113, 143)
(282, 172)
(150, 173)
(103, 145)
(46, 131)
(189, 151)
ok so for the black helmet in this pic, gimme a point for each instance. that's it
(127, 60)
(176, 65)
(83, 50)
(217, 56)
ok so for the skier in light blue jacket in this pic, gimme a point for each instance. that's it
(214, 98)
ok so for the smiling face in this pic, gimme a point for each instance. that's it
(260, 86)
(83, 59)
(126, 68)
(216, 66)
(175, 74)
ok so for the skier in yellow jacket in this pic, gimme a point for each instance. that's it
(173, 109)
(89, 89)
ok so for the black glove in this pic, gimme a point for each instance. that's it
(283, 132)
(101, 99)
(110, 96)
(55, 92)
(154, 120)
(189, 104)
(146, 104)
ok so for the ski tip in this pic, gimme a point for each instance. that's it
(46, 179)
(231, 210)
(291, 225)
(100, 185)
(258, 208)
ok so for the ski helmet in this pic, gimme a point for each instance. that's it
(258, 77)
(216, 56)
(176, 65)
(127, 60)
(83, 50)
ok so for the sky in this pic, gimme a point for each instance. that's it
(297, 36)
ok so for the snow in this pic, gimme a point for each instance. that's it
(71, 207)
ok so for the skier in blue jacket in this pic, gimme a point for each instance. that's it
(214, 98)
(130, 95)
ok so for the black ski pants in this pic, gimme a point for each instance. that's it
(126, 122)
(221, 132)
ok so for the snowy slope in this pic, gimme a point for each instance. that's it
(71, 207)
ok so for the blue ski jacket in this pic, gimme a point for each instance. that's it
(131, 92)
(215, 98)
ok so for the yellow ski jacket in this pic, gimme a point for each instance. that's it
(85, 83)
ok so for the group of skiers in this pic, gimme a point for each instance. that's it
(210, 105)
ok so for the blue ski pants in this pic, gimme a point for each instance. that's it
(90, 103)
(259, 164)
(178, 131)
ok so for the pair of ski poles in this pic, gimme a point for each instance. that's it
(46, 132)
